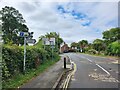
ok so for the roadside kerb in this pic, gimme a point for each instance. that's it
(60, 77)
(57, 82)
(65, 86)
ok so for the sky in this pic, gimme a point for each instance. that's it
(74, 20)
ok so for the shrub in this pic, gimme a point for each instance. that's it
(93, 51)
(13, 57)
(114, 48)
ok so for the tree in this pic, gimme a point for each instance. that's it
(111, 35)
(82, 44)
(12, 23)
(98, 45)
(74, 46)
(58, 40)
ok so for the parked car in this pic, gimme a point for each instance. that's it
(65, 51)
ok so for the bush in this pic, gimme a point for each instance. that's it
(114, 49)
(92, 51)
(13, 57)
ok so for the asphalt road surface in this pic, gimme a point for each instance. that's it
(93, 72)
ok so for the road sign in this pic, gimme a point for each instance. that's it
(48, 41)
(27, 36)
(23, 34)
(52, 41)
(31, 41)
(45, 41)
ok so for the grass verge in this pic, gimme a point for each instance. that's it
(115, 59)
(101, 55)
(20, 79)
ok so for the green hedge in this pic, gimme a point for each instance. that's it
(12, 57)
(114, 48)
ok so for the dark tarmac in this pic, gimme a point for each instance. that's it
(93, 72)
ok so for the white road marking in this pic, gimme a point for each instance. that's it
(98, 65)
(103, 69)
(89, 60)
(86, 58)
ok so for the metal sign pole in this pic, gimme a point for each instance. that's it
(44, 46)
(26, 35)
(24, 53)
(52, 53)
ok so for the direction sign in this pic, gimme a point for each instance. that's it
(48, 41)
(31, 41)
(27, 36)
(23, 34)
(52, 41)
(45, 41)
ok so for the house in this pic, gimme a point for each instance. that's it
(64, 47)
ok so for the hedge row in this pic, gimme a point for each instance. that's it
(13, 56)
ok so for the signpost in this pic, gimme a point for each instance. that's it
(52, 41)
(49, 41)
(26, 35)
(52, 46)
(24, 53)
(31, 41)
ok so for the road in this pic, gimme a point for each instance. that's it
(93, 72)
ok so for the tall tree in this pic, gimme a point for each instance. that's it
(83, 44)
(98, 45)
(74, 44)
(111, 35)
(12, 23)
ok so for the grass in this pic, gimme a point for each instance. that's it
(101, 55)
(20, 79)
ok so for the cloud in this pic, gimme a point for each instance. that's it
(73, 20)
(27, 7)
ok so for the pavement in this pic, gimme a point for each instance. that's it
(48, 78)
(94, 72)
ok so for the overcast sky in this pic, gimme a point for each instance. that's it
(75, 20)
